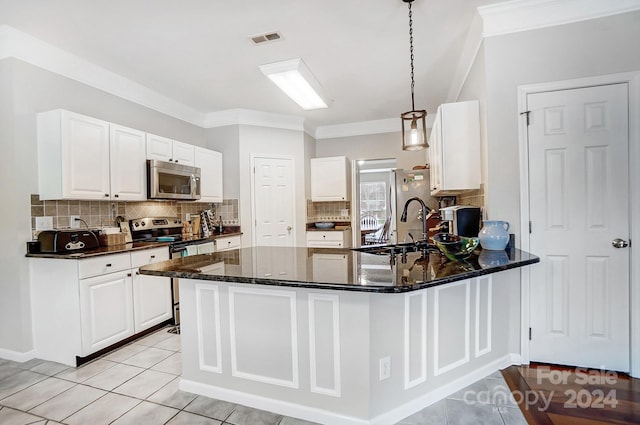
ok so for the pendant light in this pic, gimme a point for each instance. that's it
(414, 130)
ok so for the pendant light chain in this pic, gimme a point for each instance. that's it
(414, 133)
(413, 83)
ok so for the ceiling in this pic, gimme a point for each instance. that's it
(199, 53)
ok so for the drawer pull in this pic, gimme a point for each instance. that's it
(128, 274)
(108, 264)
(153, 256)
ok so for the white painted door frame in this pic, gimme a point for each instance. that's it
(633, 80)
(253, 157)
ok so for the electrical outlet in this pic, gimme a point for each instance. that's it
(44, 223)
(385, 368)
(74, 221)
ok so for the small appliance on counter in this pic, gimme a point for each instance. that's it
(463, 220)
(67, 240)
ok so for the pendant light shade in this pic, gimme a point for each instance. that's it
(414, 132)
(414, 126)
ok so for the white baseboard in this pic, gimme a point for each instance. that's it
(328, 417)
(269, 404)
(17, 356)
(444, 391)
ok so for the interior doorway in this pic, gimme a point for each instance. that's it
(374, 201)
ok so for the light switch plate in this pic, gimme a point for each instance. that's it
(44, 223)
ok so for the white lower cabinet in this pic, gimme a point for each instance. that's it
(332, 268)
(329, 239)
(82, 306)
(228, 243)
(151, 294)
(106, 310)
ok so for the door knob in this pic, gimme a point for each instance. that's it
(619, 243)
(289, 228)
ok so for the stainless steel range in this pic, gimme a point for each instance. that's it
(156, 229)
(168, 229)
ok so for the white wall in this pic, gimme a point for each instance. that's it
(589, 48)
(27, 90)
(374, 146)
(226, 140)
(475, 88)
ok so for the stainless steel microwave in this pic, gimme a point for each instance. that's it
(167, 180)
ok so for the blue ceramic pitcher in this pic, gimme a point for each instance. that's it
(494, 235)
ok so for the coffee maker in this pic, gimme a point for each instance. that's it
(462, 220)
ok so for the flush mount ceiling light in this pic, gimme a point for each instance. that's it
(294, 78)
(414, 130)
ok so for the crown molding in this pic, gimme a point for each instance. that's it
(22, 46)
(363, 128)
(523, 15)
(253, 117)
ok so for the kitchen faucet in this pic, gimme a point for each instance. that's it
(425, 211)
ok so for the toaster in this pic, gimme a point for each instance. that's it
(58, 241)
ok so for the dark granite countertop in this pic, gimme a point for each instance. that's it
(337, 269)
(330, 229)
(129, 247)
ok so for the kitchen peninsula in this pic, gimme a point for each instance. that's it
(340, 336)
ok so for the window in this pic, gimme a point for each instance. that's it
(373, 200)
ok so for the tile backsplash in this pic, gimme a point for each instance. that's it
(472, 197)
(104, 213)
(328, 211)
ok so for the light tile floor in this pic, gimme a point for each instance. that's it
(138, 385)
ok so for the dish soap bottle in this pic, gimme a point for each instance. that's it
(220, 228)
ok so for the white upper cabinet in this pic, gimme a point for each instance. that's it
(164, 149)
(210, 164)
(330, 179)
(127, 164)
(74, 158)
(454, 148)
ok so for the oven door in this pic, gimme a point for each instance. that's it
(166, 180)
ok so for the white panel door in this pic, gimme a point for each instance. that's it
(159, 148)
(578, 165)
(273, 201)
(106, 310)
(128, 169)
(210, 164)
(183, 153)
(152, 302)
(85, 157)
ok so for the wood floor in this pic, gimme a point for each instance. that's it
(559, 395)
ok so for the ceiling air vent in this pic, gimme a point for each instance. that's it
(264, 38)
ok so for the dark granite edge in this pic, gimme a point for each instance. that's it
(195, 274)
(119, 249)
(99, 252)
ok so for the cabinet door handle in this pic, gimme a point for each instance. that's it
(116, 195)
(153, 256)
(128, 274)
(106, 195)
(108, 264)
(176, 161)
(137, 273)
(170, 159)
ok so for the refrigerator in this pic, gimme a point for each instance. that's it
(407, 184)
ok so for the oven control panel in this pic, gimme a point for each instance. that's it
(154, 223)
